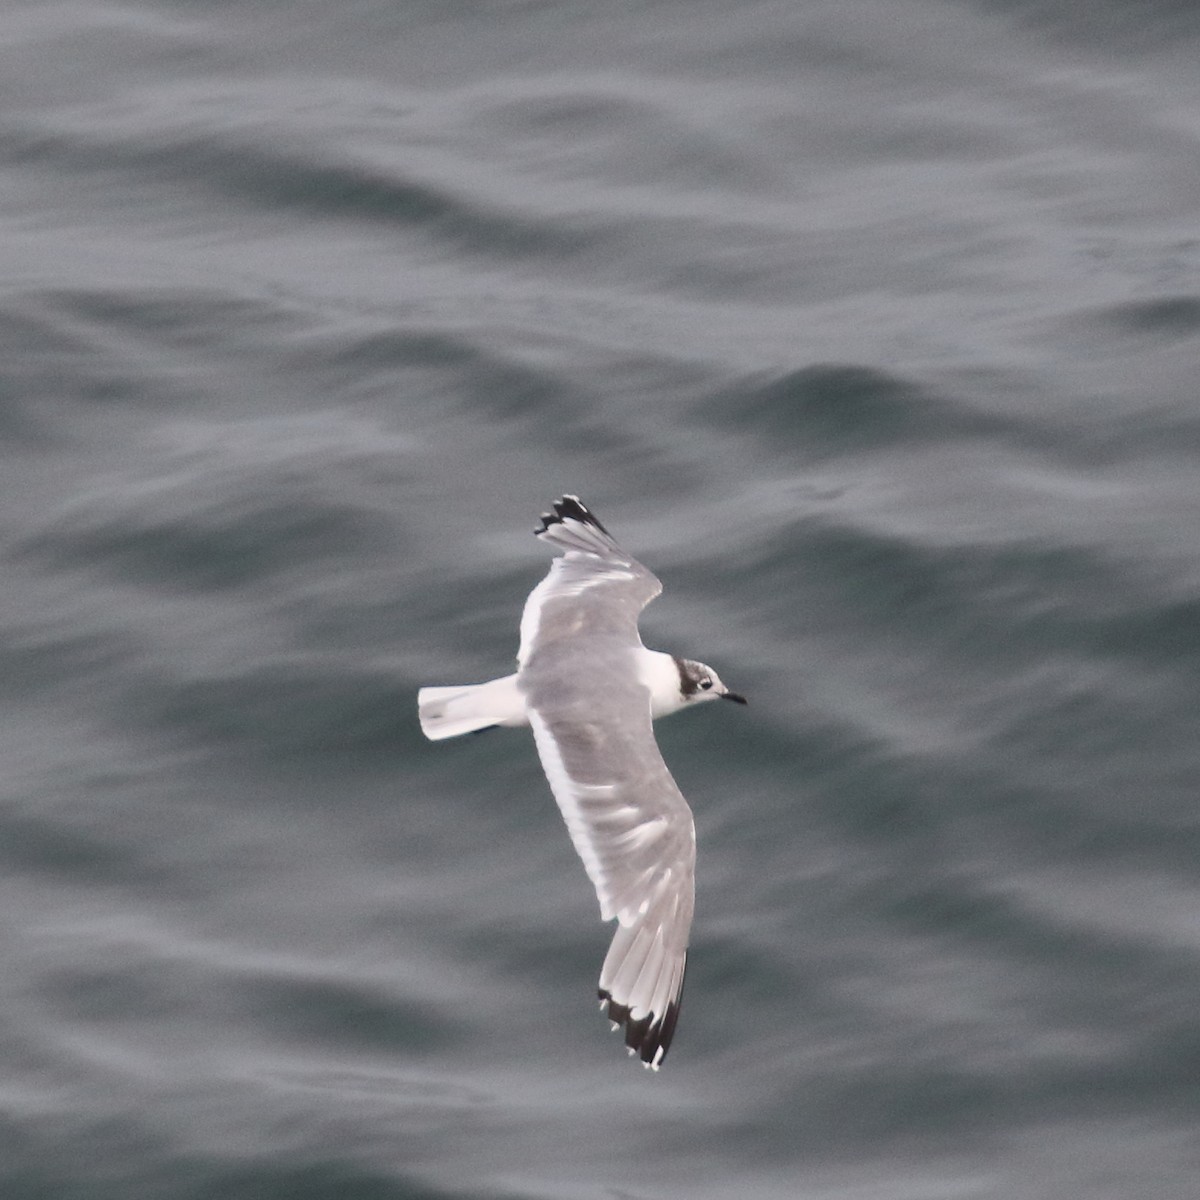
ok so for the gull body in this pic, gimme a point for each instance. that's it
(590, 691)
(447, 712)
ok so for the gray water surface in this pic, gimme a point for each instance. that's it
(871, 328)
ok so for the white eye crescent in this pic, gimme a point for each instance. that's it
(705, 684)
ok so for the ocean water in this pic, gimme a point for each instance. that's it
(872, 328)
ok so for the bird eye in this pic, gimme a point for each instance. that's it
(705, 684)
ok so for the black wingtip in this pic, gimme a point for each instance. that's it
(648, 1037)
(573, 508)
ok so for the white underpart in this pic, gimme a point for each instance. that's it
(660, 673)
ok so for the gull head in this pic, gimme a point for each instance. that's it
(698, 682)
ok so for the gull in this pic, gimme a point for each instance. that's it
(590, 691)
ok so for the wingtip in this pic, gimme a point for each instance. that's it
(648, 1038)
(569, 508)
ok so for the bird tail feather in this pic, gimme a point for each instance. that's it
(447, 712)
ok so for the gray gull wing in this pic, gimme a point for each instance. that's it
(592, 724)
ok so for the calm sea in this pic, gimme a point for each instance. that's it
(871, 326)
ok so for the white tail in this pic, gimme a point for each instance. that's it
(447, 712)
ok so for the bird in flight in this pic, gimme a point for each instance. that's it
(590, 691)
